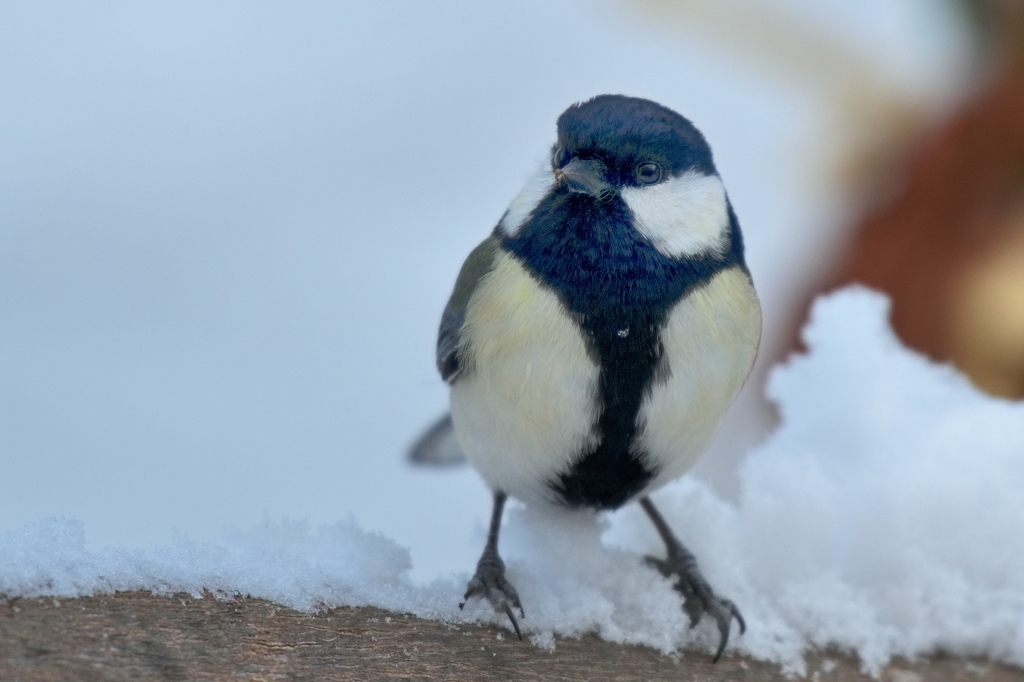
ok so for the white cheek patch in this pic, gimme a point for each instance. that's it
(683, 216)
(537, 187)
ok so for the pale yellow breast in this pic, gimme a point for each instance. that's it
(526, 403)
(710, 340)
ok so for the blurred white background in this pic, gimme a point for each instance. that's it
(227, 230)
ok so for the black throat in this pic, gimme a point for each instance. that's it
(619, 289)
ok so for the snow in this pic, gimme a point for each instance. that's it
(284, 561)
(885, 516)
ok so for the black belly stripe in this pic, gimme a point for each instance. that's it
(619, 289)
(612, 473)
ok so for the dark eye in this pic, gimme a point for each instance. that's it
(560, 157)
(648, 173)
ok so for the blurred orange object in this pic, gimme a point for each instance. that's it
(949, 246)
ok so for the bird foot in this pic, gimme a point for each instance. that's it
(698, 597)
(489, 583)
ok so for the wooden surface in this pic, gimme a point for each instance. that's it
(139, 636)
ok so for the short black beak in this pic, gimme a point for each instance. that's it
(586, 176)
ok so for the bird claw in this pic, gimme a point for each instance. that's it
(698, 597)
(489, 583)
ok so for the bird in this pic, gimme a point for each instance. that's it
(595, 339)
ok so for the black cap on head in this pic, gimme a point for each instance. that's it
(626, 131)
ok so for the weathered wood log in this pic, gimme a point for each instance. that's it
(139, 636)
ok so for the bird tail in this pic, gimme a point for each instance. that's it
(438, 446)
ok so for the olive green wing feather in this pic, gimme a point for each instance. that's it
(478, 264)
(438, 445)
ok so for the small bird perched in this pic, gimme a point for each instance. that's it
(595, 339)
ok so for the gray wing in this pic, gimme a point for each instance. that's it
(478, 264)
(438, 446)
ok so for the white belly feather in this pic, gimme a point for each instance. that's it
(526, 405)
(710, 340)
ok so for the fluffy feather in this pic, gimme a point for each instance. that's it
(685, 215)
(710, 341)
(525, 404)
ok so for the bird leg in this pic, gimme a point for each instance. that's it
(698, 597)
(489, 580)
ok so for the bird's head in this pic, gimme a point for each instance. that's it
(617, 148)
